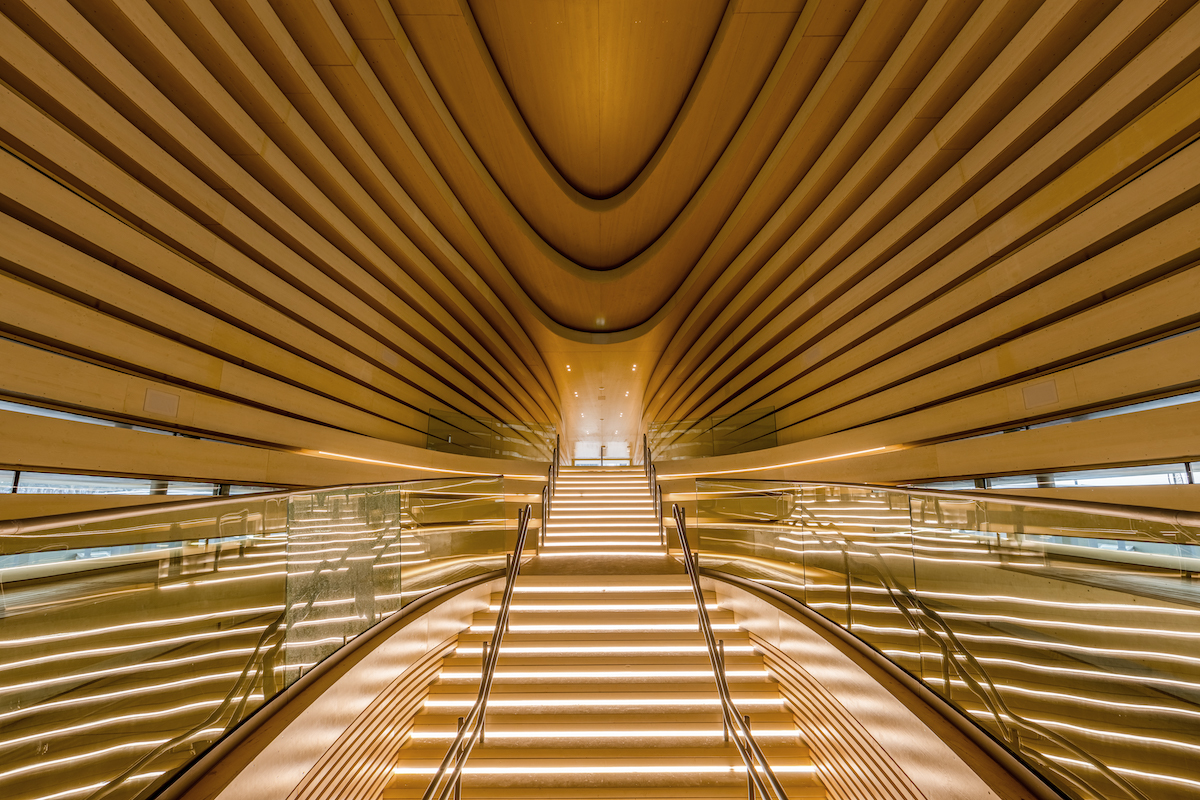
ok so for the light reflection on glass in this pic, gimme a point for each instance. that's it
(1071, 637)
(128, 647)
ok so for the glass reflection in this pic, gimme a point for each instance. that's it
(128, 647)
(1071, 637)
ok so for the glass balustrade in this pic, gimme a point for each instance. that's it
(1072, 637)
(130, 645)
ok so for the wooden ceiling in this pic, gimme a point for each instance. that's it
(344, 213)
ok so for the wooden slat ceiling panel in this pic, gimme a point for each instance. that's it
(599, 214)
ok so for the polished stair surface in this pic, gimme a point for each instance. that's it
(604, 688)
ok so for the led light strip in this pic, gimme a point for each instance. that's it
(492, 733)
(603, 650)
(1101, 732)
(51, 637)
(125, 670)
(94, 698)
(608, 607)
(552, 535)
(573, 553)
(648, 627)
(612, 674)
(606, 702)
(590, 589)
(601, 543)
(122, 648)
(639, 769)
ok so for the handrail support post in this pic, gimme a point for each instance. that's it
(457, 762)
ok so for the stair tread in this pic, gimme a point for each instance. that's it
(782, 756)
(601, 692)
(667, 792)
(676, 719)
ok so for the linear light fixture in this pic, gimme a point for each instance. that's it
(612, 607)
(614, 628)
(759, 732)
(775, 466)
(415, 466)
(581, 769)
(593, 674)
(607, 702)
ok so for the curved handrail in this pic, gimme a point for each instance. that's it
(471, 729)
(743, 739)
(656, 495)
(1030, 779)
(954, 654)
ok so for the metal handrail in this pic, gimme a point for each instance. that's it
(656, 495)
(548, 494)
(552, 479)
(470, 730)
(743, 739)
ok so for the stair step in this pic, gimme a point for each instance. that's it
(607, 793)
(696, 719)
(603, 767)
(604, 687)
(516, 696)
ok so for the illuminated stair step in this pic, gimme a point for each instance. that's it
(612, 537)
(603, 767)
(574, 505)
(574, 604)
(599, 538)
(613, 734)
(512, 651)
(604, 688)
(668, 676)
(609, 514)
(605, 521)
(604, 725)
(591, 587)
(626, 485)
(607, 793)
(615, 545)
(581, 493)
(509, 699)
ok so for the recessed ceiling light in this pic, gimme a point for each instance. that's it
(621, 414)
(568, 367)
(627, 394)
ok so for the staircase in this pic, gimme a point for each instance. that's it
(604, 687)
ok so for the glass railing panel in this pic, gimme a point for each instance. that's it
(119, 661)
(871, 529)
(1078, 628)
(130, 646)
(343, 561)
(753, 429)
(456, 528)
(1070, 636)
(453, 432)
(745, 527)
